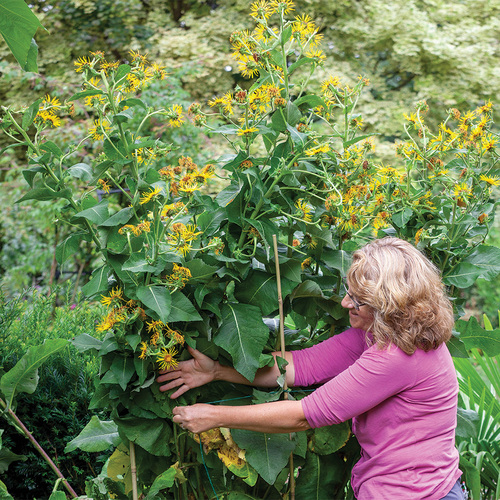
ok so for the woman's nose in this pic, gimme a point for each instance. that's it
(347, 302)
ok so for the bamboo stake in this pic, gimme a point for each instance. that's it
(40, 450)
(133, 469)
(282, 348)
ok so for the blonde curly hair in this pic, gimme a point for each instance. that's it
(404, 290)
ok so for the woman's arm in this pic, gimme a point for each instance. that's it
(280, 416)
(201, 370)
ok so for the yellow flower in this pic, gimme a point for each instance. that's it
(283, 5)
(99, 130)
(188, 187)
(166, 359)
(320, 149)
(83, 63)
(461, 190)
(115, 293)
(247, 131)
(136, 57)
(247, 66)
(52, 102)
(492, 181)
(260, 9)
(94, 100)
(303, 210)
(144, 349)
(146, 197)
(176, 118)
(332, 81)
(317, 54)
(104, 185)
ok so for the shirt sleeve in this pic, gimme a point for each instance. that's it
(322, 362)
(374, 377)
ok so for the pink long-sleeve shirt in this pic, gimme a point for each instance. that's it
(403, 409)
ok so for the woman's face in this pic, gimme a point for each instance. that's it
(362, 318)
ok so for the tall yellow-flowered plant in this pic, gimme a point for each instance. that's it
(182, 267)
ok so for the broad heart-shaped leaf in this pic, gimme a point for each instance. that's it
(401, 218)
(260, 289)
(120, 372)
(163, 481)
(182, 309)
(227, 195)
(157, 298)
(266, 453)
(85, 342)
(69, 247)
(96, 214)
(45, 194)
(18, 26)
(97, 435)
(120, 218)
(320, 477)
(24, 376)
(151, 434)
(330, 438)
(98, 282)
(6, 458)
(473, 335)
(200, 271)
(337, 259)
(81, 171)
(487, 258)
(243, 335)
(463, 275)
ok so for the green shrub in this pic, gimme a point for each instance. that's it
(58, 410)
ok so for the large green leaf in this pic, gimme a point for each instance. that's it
(157, 298)
(98, 282)
(96, 214)
(18, 26)
(337, 259)
(120, 218)
(487, 258)
(330, 438)
(182, 309)
(120, 372)
(6, 458)
(463, 275)
(81, 171)
(227, 195)
(243, 335)
(164, 480)
(69, 247)
(260, 289)
(85, 342)
(266, 453)
(473, 335)
(151, 434)
(97, 435)
(320, 477)
(200, 271)
(24, 376)
(45, 194)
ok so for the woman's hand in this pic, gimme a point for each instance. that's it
(195, 418)
(189, 374)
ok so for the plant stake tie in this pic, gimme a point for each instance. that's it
(282, 346)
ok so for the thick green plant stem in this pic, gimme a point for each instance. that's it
(40, 450)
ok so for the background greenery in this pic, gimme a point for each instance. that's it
(410, 51)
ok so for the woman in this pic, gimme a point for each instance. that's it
(390, 372)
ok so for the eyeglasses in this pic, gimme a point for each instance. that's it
(356, 304)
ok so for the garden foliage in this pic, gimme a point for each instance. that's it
(182, 267)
